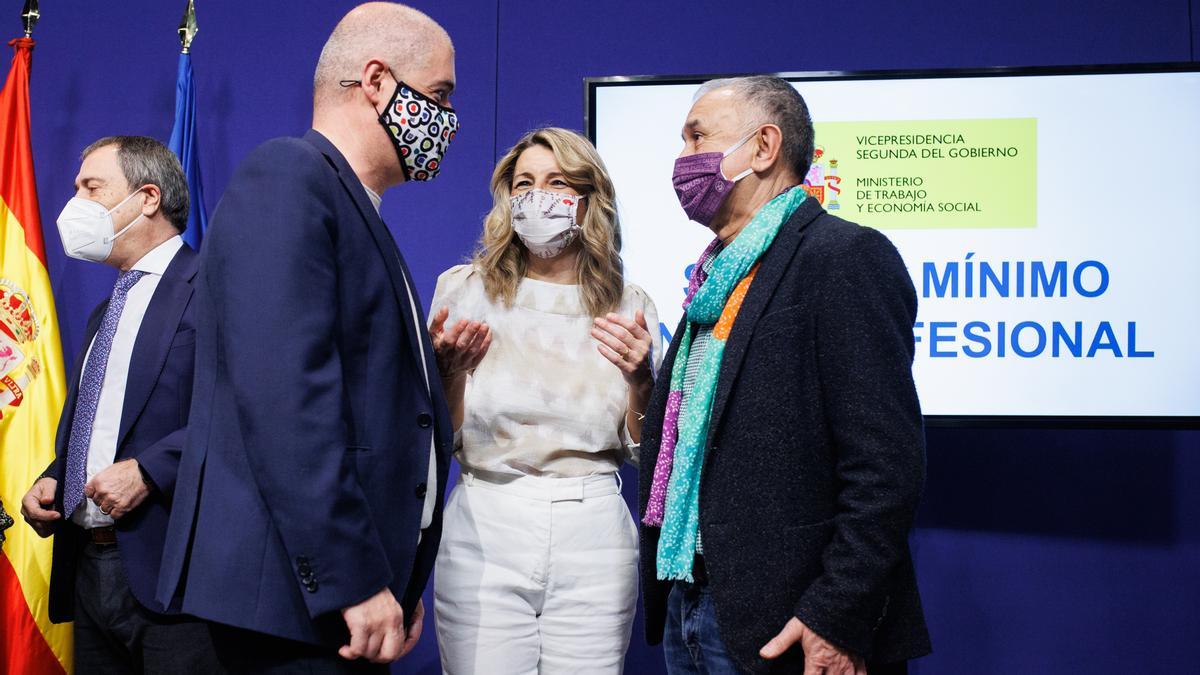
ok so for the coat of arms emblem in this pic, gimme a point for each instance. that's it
(823, 182)
(18, 330)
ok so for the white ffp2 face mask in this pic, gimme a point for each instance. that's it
(86, 228)
(545, 221)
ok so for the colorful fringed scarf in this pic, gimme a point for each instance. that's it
(675, 493)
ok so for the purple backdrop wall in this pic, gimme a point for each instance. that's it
(1037, 550)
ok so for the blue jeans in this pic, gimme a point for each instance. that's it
(692, 644)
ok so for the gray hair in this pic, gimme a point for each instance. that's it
(145, 161)
(772, 100)
(403, 36)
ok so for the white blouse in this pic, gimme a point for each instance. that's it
(543, 401)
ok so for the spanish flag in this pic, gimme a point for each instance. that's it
(32, 389)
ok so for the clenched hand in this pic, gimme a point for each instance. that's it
(118, 489)
(37, 507)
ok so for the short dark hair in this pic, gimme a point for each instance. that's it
(773, 100)
(145, 161)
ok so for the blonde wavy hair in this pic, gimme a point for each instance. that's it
(500, 256)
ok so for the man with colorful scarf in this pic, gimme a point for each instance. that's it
(783, 449)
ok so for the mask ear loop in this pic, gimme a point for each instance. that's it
(109, 240)
(383, 116)
(732, 150)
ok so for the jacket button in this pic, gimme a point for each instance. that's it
(422, 489)
(424, 420)
(311, 587)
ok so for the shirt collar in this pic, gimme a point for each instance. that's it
(160, 257)
(376, 200)
(711, 258)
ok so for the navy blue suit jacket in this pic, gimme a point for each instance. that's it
(304, 475)
(154, 417)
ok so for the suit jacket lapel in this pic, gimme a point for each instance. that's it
(155, 335)
(397, 270)
(776, 261)
(420, 333)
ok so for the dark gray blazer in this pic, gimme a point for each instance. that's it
(816, 453)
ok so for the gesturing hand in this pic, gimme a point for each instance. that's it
(462, 346)
(820, 657)
(118, 489)
(376, 629)
(626, 343)
(37, 507)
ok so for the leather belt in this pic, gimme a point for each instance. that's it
(103, 535)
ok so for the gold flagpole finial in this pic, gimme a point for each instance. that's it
(188, 27)
(30, 16)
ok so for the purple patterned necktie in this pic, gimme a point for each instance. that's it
(89, 393)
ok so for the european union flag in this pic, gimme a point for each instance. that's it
(183, 143)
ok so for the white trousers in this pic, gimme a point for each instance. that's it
(535, 575)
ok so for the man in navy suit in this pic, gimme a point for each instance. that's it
(107, 495)
(308, 510)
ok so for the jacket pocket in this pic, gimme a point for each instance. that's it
(184, 338)
(779, 321)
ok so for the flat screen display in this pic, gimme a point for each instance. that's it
(1048, 219)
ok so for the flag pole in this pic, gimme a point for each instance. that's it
(30, 16)
(183, 134)
(188, 27)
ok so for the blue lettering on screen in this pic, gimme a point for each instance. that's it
(970, 278)
(1008, 279)
(1029, 339)
(979, 339)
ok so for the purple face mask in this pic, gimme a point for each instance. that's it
(700, 185)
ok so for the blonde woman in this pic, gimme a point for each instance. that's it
(547, 358)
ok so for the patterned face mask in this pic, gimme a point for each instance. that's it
(700, 184)
(545, 221)
(420, 130)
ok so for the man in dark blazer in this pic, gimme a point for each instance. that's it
(308, 510)
(814, 460)
(107, 495)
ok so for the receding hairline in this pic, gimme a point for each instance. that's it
(768, 99)
(748, 114)
(106, 142)
(99, 144)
